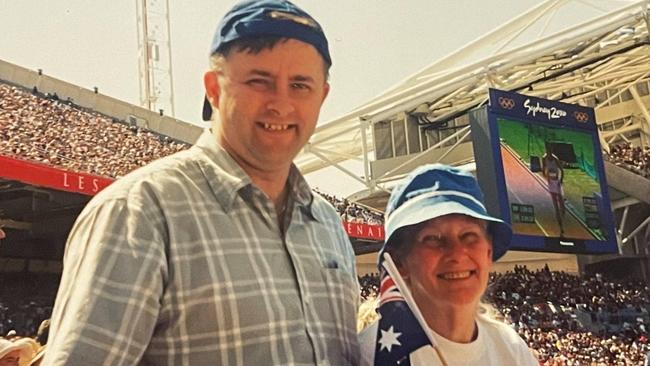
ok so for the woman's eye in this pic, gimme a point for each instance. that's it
(470, 237)
(432, 240)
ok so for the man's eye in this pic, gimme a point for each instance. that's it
(258, 82)
(300, 86)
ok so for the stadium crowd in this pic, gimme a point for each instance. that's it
(45, 129)
(353, 212)
(567, 319)
(632, 158)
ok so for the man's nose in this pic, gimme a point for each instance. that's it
(280, 103)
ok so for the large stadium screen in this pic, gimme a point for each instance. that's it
(540, 165)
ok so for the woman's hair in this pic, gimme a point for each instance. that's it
(367, 313)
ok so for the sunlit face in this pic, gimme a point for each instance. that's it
(10, 359)
(268, 103)
(448, 263)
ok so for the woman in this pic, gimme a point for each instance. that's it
(443, 243)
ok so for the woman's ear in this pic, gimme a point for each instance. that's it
(403, 270)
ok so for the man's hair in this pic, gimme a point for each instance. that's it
(252, 45)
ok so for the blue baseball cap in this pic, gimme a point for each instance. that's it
(254, 18)
(436, 190)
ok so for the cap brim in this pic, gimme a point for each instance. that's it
(207, 109)
(423, 211)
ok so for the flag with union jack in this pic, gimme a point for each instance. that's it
(399, 332)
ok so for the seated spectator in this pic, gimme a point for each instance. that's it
(16, 353)
(633, 158)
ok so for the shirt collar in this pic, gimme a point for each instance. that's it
(300, 191)
(226, 177)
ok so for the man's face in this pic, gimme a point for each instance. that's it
(10, 359)
(449, 262)
(268, 103)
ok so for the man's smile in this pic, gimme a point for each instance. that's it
(275, 127)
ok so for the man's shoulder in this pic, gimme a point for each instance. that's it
(155, 177)
(323, 205)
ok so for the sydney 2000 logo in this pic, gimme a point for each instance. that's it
(551, 113)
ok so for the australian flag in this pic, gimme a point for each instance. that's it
(399, 332)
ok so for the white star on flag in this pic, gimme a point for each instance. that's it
(389, 339)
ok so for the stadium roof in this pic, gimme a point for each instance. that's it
(591, 62)
(601, 61)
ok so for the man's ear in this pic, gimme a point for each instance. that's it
(212, 88)
(326, 91)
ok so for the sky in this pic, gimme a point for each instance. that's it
(375, 44)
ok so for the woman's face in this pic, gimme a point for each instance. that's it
(448, 263)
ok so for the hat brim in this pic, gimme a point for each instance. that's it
(25, 348)
(432, 208)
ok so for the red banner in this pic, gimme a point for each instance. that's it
(43, 175)
(364, 231)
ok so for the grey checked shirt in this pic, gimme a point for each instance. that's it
(182, 262)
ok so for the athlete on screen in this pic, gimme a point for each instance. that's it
(554, 174)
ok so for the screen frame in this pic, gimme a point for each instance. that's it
(490, 167)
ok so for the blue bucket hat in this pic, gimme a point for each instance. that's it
(436, 190)
(255, 18)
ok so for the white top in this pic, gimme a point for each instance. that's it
(496, 344)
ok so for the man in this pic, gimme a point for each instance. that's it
(220, 255)
(443, 242)
(554, 174)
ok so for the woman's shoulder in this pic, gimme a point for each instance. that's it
(367, 341)
(494, 325)
(506, 340)
(499, 330)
